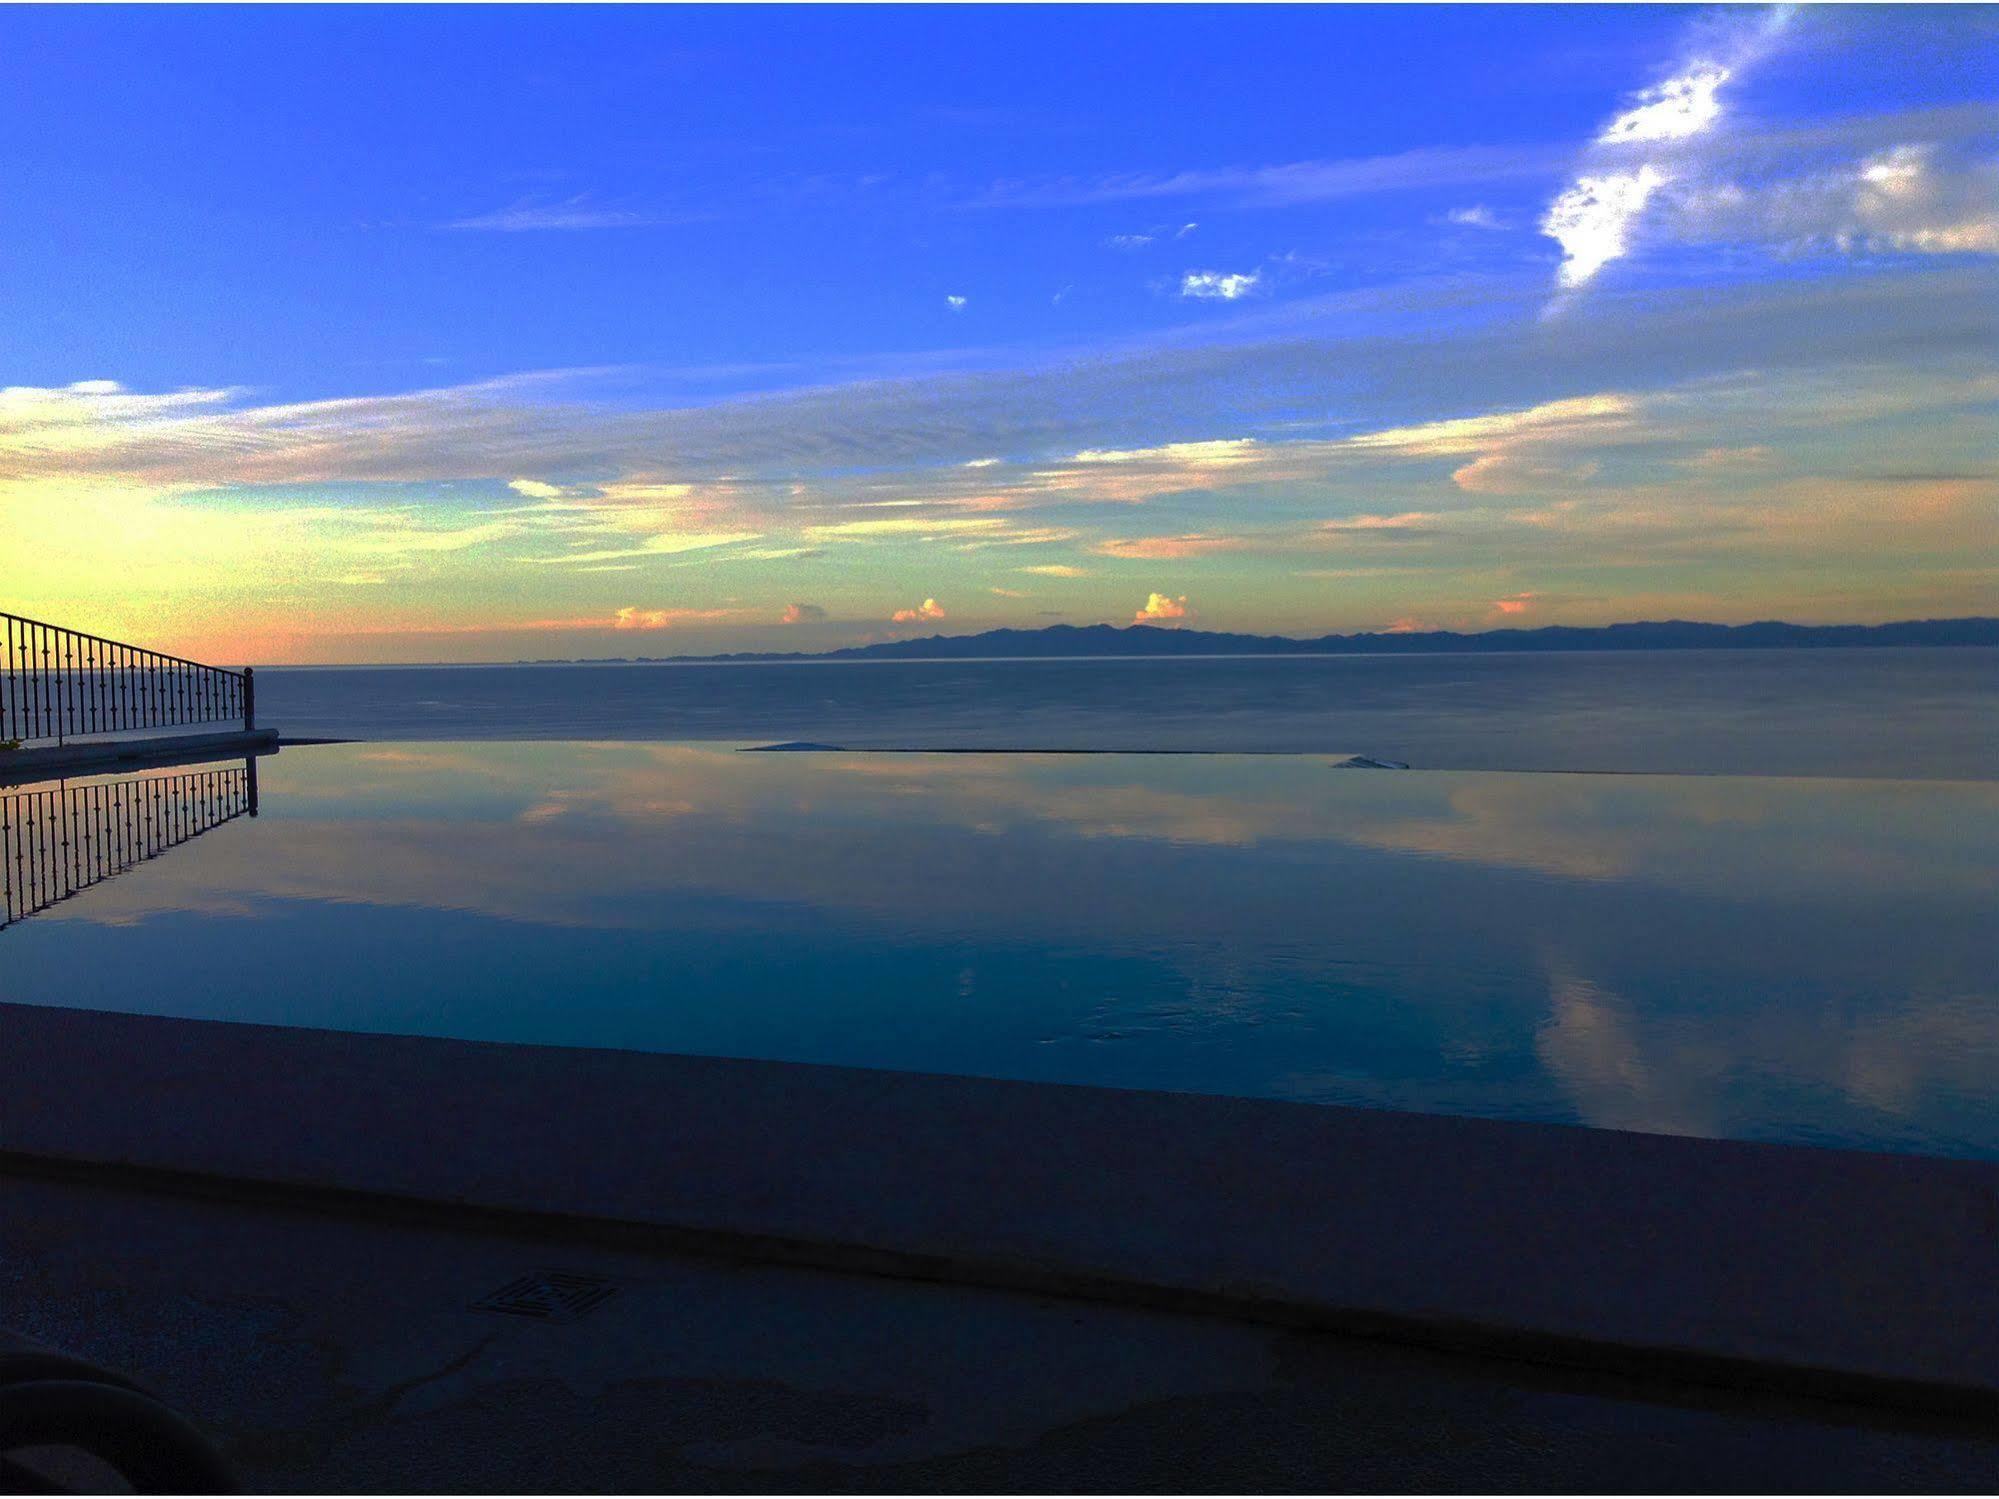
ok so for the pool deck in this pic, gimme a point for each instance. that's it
(147, 752)
(332, 1351)
(1824, 1274)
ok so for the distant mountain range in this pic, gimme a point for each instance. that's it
(1153, 640)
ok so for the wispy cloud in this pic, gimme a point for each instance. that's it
(1106, 407)
(1167, 548)
(551, 475)
(801, 614)
(1210, 452)
(582, 212)
(1504, 472)
(1408, 523)
(658, 544)
(1468, 434)
(1290, 182)
(907, 526)
(1922, 197)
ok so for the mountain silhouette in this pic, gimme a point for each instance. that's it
(1056, 641)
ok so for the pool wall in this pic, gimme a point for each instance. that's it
(1834, 1273)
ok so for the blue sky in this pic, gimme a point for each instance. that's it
(468, 333)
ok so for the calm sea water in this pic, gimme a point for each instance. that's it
(1931, 714)
(1807, 960)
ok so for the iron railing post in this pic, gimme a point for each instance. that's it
(249, 698)
(59, 685)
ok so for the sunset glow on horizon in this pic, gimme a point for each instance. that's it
(690, 331)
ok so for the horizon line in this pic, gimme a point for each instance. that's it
(854, 654)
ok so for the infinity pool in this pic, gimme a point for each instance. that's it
(1798, 960)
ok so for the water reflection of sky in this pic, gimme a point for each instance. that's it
(1760, 958)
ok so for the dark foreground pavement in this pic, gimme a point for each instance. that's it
(342, 1353)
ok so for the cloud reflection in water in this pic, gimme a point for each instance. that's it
(1764, 958)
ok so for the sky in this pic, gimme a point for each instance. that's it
(466, 333)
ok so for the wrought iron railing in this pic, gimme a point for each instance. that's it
(63, 684)
(58, 840)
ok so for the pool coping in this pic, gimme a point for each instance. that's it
(1842, 1274)
(103, 756)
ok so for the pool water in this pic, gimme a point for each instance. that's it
(1759, 958)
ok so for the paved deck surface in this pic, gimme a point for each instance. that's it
(1869, 1276)
(339, 1354)
(104, 755)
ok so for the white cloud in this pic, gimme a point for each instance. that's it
(1592, 220)
(1219, 450)
(1478, 216)
(534, 489)
(1219, 286)
(1129, 241)
(1673, 168)
(1159, 606)
(633, 618)
(955, 303)
(1681, 106)
(1595, 218)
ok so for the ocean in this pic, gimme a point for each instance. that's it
(1916, 713)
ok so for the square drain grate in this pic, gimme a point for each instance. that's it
(550, 1295)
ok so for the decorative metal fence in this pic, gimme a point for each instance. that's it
(58, 840)
(63, 684)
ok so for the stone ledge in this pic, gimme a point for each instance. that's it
(1833, 1273)
(96, 756)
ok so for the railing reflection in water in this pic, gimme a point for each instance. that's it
(58, 840)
